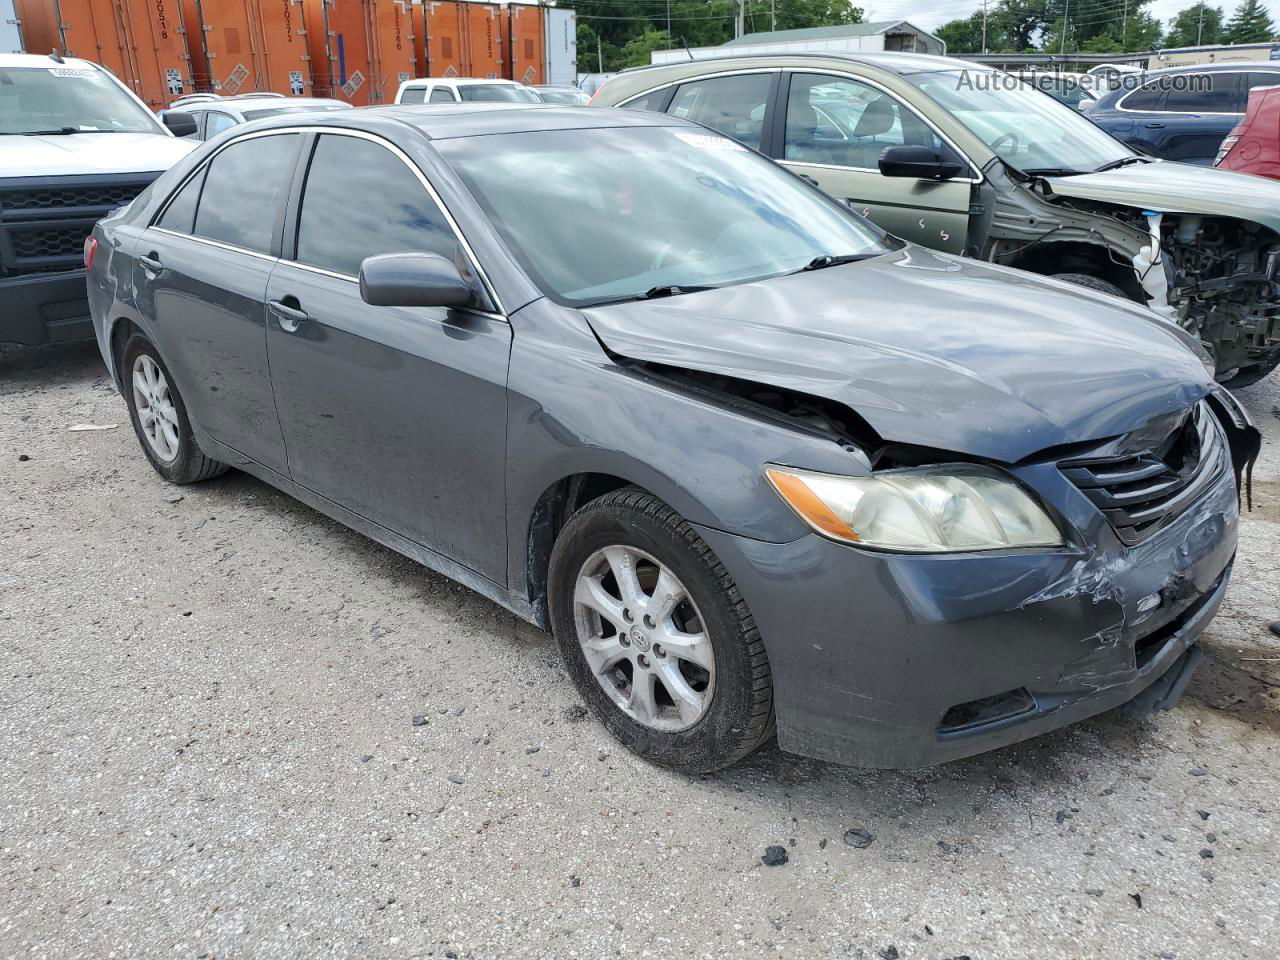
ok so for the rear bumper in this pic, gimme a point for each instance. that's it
(45, 308)
(886, 660)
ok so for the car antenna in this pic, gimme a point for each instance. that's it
(685, 44)
(53, 55)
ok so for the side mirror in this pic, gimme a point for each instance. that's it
(179, 123)
(910, 160)
(413, 280)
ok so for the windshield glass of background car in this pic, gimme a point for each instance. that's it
(34, 99)
(597, 215)
(1026, 129)
(497, 91)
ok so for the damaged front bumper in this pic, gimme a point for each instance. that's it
(892, 660)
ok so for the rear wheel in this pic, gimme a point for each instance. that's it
(160, 417)
(1093, 283)
(657, 637)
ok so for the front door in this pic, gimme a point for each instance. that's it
(397, 414)
(835, 130)
(202, 274)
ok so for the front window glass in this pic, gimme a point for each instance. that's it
(68, 100)
(617, 213)
(508, 93)
(242, 191)
(1027, 130)
(361, 200)
(442, 95)
(215, 123)
(414, 95)
(833, 120)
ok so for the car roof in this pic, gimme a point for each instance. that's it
(257, 103)
(449, 121)
(902, 63)
(459, 81)
(44, 60)
(1270, 65)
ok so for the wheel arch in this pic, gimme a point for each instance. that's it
(1078, 256)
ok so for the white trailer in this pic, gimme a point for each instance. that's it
(10, 29)
(562, 46)
(881, 36)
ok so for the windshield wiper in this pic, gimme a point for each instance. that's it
(670, 290)
(1123, 161)
(58, 132)
(827, 260)
(1052, 172)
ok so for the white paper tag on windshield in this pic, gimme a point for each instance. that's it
(71, 72)
(706, 141)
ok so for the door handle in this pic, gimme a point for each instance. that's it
(1153, 124)
(151, 262)
(289, 317)
(808, 179)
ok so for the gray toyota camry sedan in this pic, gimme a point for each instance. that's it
(756, 464)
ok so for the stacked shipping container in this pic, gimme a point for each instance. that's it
(355, 50)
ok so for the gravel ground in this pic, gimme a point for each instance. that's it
(207, 749)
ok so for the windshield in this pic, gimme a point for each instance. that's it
(569, 96)
(1026, 129)
(68, 99)
(509, 93)
(618, 213)
(293, 108)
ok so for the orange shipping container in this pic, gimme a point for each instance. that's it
(464, 39)
(361, 50)
(527, 43)
(251, 45)
(140, 41)
(39, 26)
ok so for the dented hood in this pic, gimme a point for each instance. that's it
(930, 350)
(1179, 188)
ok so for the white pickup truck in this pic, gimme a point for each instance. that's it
(75, 143)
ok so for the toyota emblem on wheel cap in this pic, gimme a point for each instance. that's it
(638, 638)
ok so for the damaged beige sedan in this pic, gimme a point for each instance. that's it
(967, 159)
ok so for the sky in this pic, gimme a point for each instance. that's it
(928, 14)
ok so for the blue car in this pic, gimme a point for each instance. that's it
(1182, 113)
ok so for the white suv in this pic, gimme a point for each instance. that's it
(75, 143)
(464, 90)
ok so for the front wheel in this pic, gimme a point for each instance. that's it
(1093, 283)
(160, 417)
(656, 636)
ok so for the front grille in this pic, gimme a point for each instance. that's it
(43, 221)
(17, 202)
(1140, 492)
(57, 242)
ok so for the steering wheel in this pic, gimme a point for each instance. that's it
(1010, 136)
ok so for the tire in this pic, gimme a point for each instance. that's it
(727, 671)
(172, 450)
(1093, 283)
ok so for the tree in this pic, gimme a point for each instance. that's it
(1195, 26)
(1011, 28)
(963, 36)
(1250, 24)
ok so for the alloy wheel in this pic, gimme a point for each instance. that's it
(154, 404)
(643, 638)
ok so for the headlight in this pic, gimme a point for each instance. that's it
(923, 510)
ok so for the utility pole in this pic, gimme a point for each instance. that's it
(669, 24)
(984, 26)
(773, 14)
(1066, 10)
(599, 53)
(740, 27)
(1200, 28)
(1124, 25)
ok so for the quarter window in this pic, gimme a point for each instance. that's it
(732, 105)
(650, 101)
(847, 123)
(243, 189)
(414, 95)
(442, 95)
(180, 215)
(361, 200)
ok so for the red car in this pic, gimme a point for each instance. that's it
(1254, 145)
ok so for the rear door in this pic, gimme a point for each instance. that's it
(1199, 112)
(397, 414)
(834, 131)
(201, 276)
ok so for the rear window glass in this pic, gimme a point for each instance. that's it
(243, 189)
